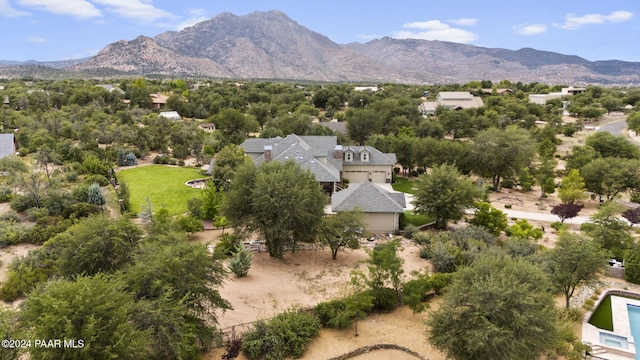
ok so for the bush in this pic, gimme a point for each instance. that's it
(287, 334)
(332, 314)
(227, 245)
(21, 203)
(384, 299)
(422, 238)
(22, 279)
(557, 226)
(5, 193)
(12, 233)
(95, 178)
(440, 281)
(415, 293)
(161, 159)
(410, 230)
(34, 214)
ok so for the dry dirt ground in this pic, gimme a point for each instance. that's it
(308, 277)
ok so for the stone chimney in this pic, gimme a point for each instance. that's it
(338, 153)
(267, 153)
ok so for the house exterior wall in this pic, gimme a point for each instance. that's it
(378, 223)
(362, 173)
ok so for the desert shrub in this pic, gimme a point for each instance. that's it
(227, 245)
(232, 346)
(333, 314)
(34, 214)
(425, 252)
(287, 334)
(46, 228)
(440, 281)
(80, 210)
(71, 176)
(573, 315)
(410, 230)
(384, 299)
(22, 278)
(10, 215)
(21, 203)
(557, 226)
(5, 193)
(96, 178)
(12, 233)
(161, 159)
(56, 202)
(414, 293)
(422, 238)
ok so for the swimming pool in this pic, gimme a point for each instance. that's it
(634, 323)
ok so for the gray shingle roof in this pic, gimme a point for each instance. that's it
(6, 144)
(369, 198)
(315, 153)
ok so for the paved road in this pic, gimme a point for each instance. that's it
(616, 127)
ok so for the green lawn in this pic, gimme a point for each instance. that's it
(404, 185)
(163, 185)
(602, 318)
(417, 219)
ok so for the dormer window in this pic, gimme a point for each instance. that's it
(364, 156)
(348, 156)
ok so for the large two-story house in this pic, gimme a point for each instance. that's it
(362, 166)
(329, 162)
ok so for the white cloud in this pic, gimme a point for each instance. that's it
(142, 10)
(465, 21)
(434, 30)
(195, 16)
(7, 11)
(368, 37)
(76, 8)
(573, 22)
(529, 29)
(36, 40)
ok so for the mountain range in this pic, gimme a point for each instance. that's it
(270, 45)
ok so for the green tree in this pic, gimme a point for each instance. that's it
(361, 124)
(342, 230)
(139, 94)
(609, 177)
(385, 269)
(280, 200)
(526, 179)
(240, 262)
(444, 195)
(575, 261)
(572, 188)
(212, 198)
(611, 232)
(501, 153)
(166, 265)
(234, 126)
(609, 145)
(95, 244)
(497, 308)
(632, 264)
(124, 196)
(490, 218)
(225, 164)
(93, 310)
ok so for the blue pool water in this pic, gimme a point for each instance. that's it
(614, 340)
(634, 322)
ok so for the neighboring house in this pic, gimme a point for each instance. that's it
(171, 115)
(111, 88)
(158, 101)
(381, 208)
(498, 91)
(453, 100)
(329, 162)
(366, 88)
(208, 127)
(543, 98)
(7, 145)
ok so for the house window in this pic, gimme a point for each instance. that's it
(348, 156)
(364, 157)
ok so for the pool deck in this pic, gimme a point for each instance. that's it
(621, 327)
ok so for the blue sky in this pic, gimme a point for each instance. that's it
(66, 29)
